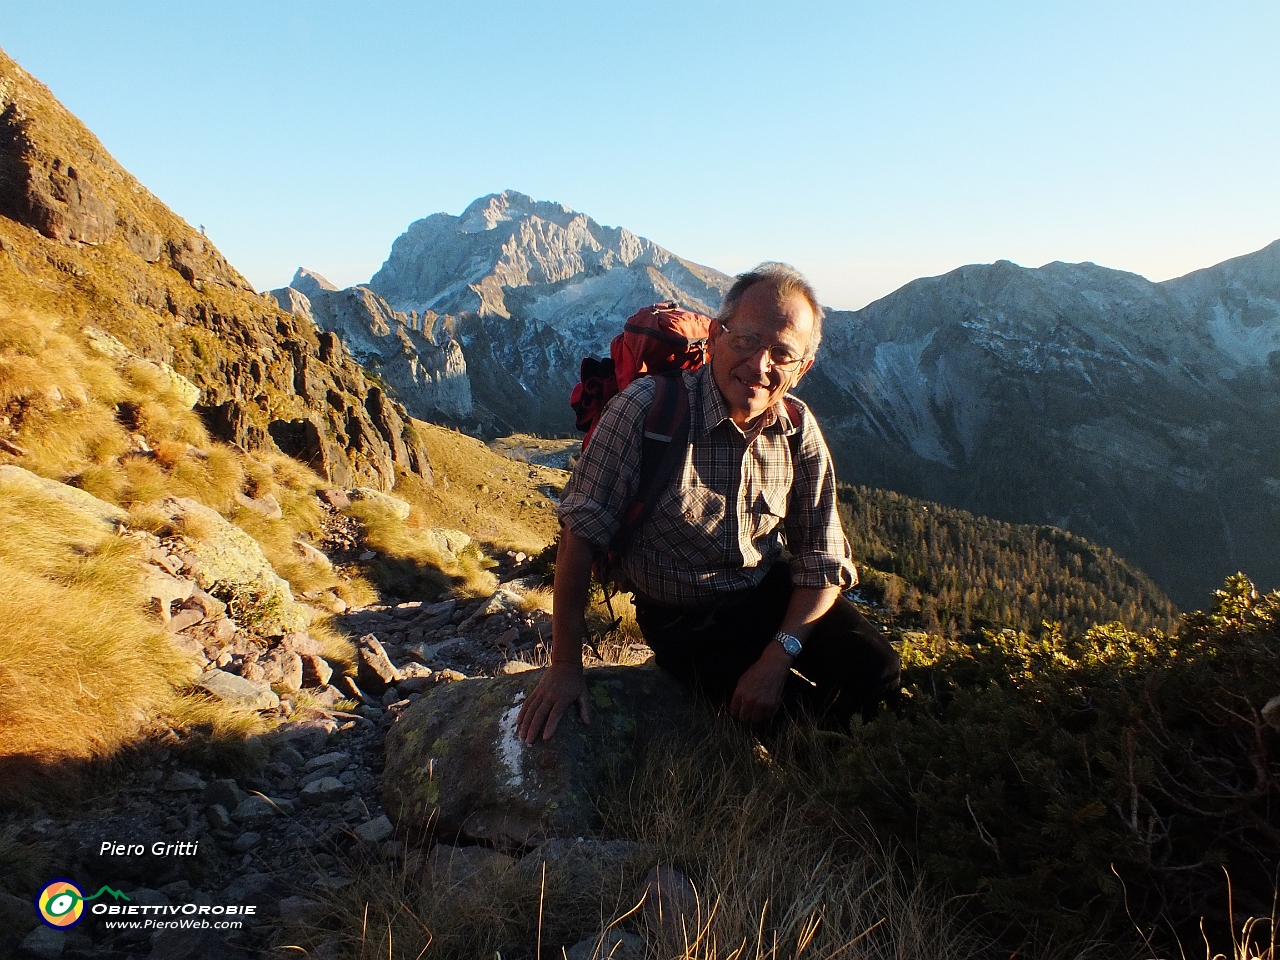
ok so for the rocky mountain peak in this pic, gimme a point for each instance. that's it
(527, 287)
(310, 283)
(489, 211)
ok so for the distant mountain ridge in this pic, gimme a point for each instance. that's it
(1141, 415)
(416, 356)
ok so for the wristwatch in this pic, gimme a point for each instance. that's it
(789, 643)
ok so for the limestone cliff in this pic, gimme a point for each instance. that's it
(82, 239)
(428, 375)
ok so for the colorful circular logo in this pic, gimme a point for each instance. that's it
(60, 903)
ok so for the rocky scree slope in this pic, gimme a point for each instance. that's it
(82, 239)
(1141, 415)
(528, 287)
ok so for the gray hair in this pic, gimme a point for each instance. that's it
(787, 281)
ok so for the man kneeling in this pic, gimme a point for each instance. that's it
(716, 600)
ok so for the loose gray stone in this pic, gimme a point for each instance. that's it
(224, 792)
(374, 669)
(44, 942)
(444, 608)
(290, 756)
(183, 619)
(211, 607)
(291, 671)
(337, 758)
(302, 643)
(253, 810)
(316, 672)
(246, 841)
(312, 554)
(324, 790)
(181, 782)
(375, 831)
(217, 816)
(237, 690)
(299, 912)
(336, 498)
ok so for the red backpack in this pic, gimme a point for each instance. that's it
(660, 339)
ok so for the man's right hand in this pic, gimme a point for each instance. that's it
(559, 688)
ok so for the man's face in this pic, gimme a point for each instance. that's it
(750, 384)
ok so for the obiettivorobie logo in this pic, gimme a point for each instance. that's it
(61, 904)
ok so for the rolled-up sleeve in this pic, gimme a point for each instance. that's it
(606, 478)
(819, 550)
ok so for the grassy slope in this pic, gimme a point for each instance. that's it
(75, 623)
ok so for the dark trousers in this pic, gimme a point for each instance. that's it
(848, 666)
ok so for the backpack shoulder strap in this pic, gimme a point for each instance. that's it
(793, 412)
(666, 437)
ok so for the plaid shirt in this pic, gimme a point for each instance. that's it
(739, 503)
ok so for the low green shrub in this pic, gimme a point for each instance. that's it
(1089, 786)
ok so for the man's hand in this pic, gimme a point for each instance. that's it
(559, 687)
(759, 691)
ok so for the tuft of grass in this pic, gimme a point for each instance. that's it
(24, 865)
(217, 736)
(779, 870)
(410, 565)
(213, 476)
(81, 661)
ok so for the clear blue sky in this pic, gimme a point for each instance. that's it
(867, 143)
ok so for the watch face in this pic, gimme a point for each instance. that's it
(790, 644)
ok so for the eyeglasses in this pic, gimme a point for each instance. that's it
(748, 345)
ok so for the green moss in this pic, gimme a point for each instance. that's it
(600, 698)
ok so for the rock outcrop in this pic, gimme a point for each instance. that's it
(80, 236)
(456, 768)
(428, 376)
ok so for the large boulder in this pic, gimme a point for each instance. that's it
(229, 564)
(455, 767)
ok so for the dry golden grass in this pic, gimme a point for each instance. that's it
(511, 514)
(409, 564)
(81, 660)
